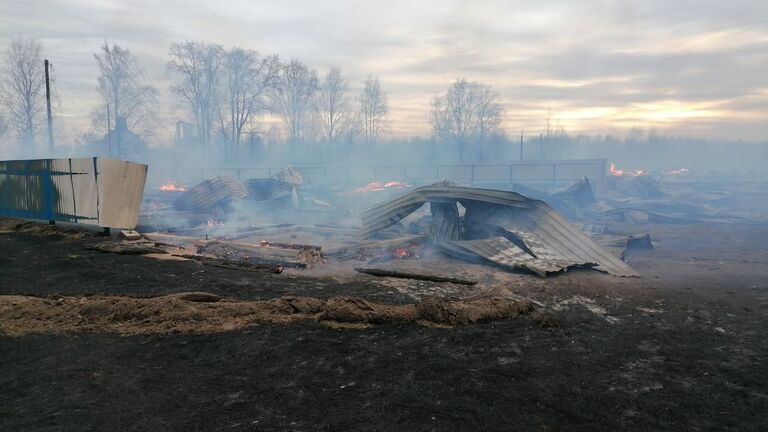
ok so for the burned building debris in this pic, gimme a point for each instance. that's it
(287, 222)
(503, 228)
(213, 195)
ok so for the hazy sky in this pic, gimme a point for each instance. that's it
(685, 67)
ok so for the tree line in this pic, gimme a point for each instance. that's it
(226, 93)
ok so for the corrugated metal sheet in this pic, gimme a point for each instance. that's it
(503, 252)
(212, 194)
(388, 213)
(552, 243)
(265, 189)
(96, 191)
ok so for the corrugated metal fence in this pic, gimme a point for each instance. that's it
(95, 191)
(555, 172)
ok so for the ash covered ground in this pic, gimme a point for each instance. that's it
(94, 340)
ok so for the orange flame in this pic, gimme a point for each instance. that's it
(401, 252)
(377, 187)
(632, 173)
(172, 186)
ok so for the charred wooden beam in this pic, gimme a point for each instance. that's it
(283, 245)
(417, 276)
(235, 265)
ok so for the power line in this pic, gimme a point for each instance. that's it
(60, 89)
(70, 97)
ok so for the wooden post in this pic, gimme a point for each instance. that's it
(48, 106)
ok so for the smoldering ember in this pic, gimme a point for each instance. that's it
(444, 229)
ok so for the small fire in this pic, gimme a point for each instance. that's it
(173, 187)
(377, 187)
(400, 253)
(213, 223)
(632, 173)
(412, 251)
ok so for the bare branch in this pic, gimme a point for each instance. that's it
(373, 110)
(468, 113)
(22, 92)
(293, 97)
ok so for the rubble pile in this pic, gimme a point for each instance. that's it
(276, 223)
(215, 195)
(503, 228)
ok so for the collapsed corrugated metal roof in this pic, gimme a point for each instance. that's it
(265, 189)
(212, 194)
(520, 232)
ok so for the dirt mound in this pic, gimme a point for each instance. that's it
(440, 311)
(356, 310)
(297, 305)
(196, 296)
(200, 312)
(42, 229)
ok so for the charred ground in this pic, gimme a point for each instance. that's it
(680, 348)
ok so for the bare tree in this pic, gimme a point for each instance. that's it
(23, 92)
(3, 124)
(248, 78)
(293, 98)
(332, 105)
(490, 115)
(373, 110)
(125, 96)
(555, 132)
(198, 67)
(469, 112)
(350, 131)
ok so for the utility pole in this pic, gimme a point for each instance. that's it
(541, 140)
(521, 145)
(48, 103)
(109, 135)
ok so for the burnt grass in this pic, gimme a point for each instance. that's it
(54, 265)
(699, 365)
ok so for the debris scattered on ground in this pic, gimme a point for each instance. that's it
(214, 195)
(233, 264)
(255, 254)
(504, 228)
(290, 176)
(588, 304)
(125, 247)
(310, 257)
(130, 235)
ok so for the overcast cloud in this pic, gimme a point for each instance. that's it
(684, 67)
